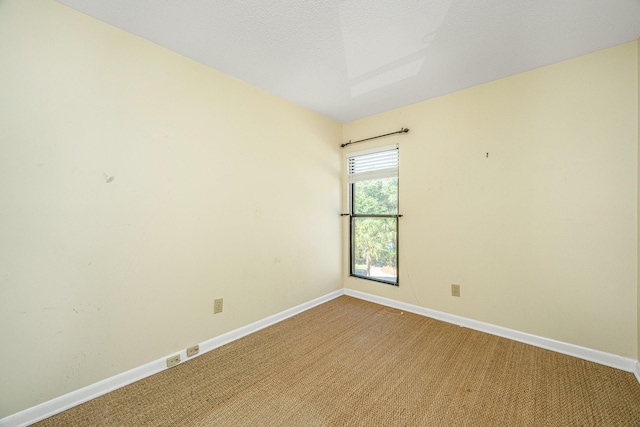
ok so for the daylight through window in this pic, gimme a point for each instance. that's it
(373, 200)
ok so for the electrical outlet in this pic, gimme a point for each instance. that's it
(455, 290)
(217, 306)
(191, 351)
(173, 360)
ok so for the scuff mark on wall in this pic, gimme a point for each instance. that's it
(108, 178)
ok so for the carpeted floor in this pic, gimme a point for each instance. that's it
(353, 363)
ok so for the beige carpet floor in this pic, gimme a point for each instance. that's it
(353, 363)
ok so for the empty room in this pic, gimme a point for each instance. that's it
(306, 213)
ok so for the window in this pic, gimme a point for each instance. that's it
(373, 209)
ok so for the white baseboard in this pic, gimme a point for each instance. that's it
(67, 401)
(597, 356)
(268, 321)
(62, 403)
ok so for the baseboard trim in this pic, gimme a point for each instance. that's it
(77, 397)
(266, 322)
(597, 356)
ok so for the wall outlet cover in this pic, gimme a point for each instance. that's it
(455, 290)
(173, 360)
(217, 306)
(192, 351)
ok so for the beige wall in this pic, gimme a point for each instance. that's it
(215, 184)
(541, 235)
(219, 190)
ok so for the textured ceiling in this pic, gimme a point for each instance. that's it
(352, 58)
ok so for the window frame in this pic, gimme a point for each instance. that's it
(353, 216)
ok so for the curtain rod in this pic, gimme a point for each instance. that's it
(402, 130)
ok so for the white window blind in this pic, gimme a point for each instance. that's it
(373, 164)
